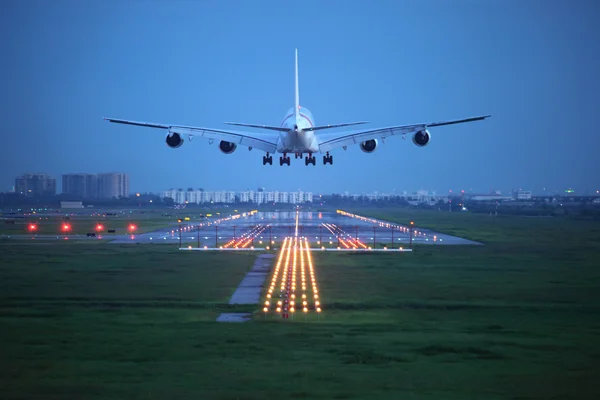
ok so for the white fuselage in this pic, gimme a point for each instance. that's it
(296, 140)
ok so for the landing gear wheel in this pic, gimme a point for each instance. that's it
(310, 159)
(327, 159)
(284, 160)
(267, 160)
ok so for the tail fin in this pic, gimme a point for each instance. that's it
(297, 103)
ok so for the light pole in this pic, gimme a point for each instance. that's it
(374, 236)
(179, 233)
(198, 234)
(411, 232)
(216, 236)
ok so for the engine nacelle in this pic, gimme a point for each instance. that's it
(227, 147)
(369, 146)
(421, 138)
(174, 140)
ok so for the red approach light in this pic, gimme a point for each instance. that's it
(99, 227)
(132, 227)
(32, 227)
(66, 227)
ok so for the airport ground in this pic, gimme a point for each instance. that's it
(514, 318)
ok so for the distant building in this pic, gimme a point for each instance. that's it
(522, 195)
(71, 204)
(248, 196)
(114, 184)
(32, 185)
(80, 185)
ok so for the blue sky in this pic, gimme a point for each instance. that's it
(532, 64)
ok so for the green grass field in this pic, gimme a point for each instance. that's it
(87, 220)
(517, 318)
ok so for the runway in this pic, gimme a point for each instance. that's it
(320, 228)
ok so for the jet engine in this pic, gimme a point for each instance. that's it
(369, 146)
(174, 140)
(421, 138)
(227, 147)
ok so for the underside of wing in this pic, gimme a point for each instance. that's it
(263, 141)
(333, 141)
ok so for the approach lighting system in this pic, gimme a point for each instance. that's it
(32, 227)
(132, 228)
(99, 228)
(66, 227)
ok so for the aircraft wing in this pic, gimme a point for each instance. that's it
(263, 141)
(328, 143)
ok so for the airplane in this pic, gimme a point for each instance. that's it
(296, 134)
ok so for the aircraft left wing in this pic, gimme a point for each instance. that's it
(348, 138)
(262, 141)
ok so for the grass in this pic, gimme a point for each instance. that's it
(84, 221)
(514, 319)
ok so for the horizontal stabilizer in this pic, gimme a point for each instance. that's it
(271, 128)
(318, 128)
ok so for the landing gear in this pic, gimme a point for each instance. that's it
(310, 159)
(327, 159)
(284, 160)
(268, 159)
(297, 155)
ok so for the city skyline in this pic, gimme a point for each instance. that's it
(282, 188)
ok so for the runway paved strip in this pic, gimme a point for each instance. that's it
(248, 292)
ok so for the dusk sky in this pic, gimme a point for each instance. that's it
(533, 65)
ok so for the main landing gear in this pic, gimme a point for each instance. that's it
(284, 160)
(267, 159)
(310, 159)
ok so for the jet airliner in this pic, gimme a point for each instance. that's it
(297, 134)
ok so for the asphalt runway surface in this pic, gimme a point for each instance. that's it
(257, 229)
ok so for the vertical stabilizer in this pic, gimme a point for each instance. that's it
(297, 103)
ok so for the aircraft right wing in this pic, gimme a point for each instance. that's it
(263, 141)
(348, 138)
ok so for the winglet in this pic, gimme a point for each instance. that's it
(297, 92)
